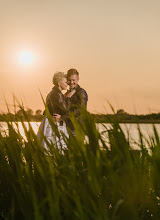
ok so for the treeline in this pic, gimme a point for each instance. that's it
(22, 114)
(121, 116)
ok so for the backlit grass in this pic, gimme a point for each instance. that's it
(84, 181)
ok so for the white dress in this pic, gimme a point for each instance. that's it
(47, 131)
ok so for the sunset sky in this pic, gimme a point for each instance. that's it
(114, 44)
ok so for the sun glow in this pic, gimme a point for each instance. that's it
(26, 58)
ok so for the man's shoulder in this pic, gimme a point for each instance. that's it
(82, 91)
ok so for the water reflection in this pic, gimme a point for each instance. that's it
(130, 130)
(18, 126)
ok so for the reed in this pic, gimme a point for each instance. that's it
(90, 179)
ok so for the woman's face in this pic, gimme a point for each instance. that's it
(63, 83)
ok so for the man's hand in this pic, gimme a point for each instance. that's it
(57, 117)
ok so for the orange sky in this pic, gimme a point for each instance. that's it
(113, 44)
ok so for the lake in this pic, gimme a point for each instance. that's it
(130, 130)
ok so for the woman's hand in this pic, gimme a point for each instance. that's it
(57, 117)
(69, 94)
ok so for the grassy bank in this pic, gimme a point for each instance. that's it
(84, 181)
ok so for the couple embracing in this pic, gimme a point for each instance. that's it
(61, 105)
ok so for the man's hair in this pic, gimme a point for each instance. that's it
(72, 72)
(57, 77)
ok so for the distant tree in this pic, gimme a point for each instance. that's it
(29, 112)
(20, 112)
(38, 112)
(121, 112)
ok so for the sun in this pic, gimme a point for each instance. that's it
(26, 58)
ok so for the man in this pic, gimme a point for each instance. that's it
(79, 98)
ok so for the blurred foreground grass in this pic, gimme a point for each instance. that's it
(84, 181)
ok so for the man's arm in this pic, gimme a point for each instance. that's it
(84, 98)
(81, 102)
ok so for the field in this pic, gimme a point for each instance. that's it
(83, 181)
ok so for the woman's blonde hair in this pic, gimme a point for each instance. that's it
(57, 77)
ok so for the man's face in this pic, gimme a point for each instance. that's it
(73, 81)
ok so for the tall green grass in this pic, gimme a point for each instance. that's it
(89, 180)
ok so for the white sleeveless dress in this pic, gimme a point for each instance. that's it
(47, 131)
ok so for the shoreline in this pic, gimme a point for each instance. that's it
(98, 122)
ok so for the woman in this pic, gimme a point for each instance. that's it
(58, 106)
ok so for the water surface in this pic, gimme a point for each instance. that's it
(130, 130)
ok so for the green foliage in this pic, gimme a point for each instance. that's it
(91, 179)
